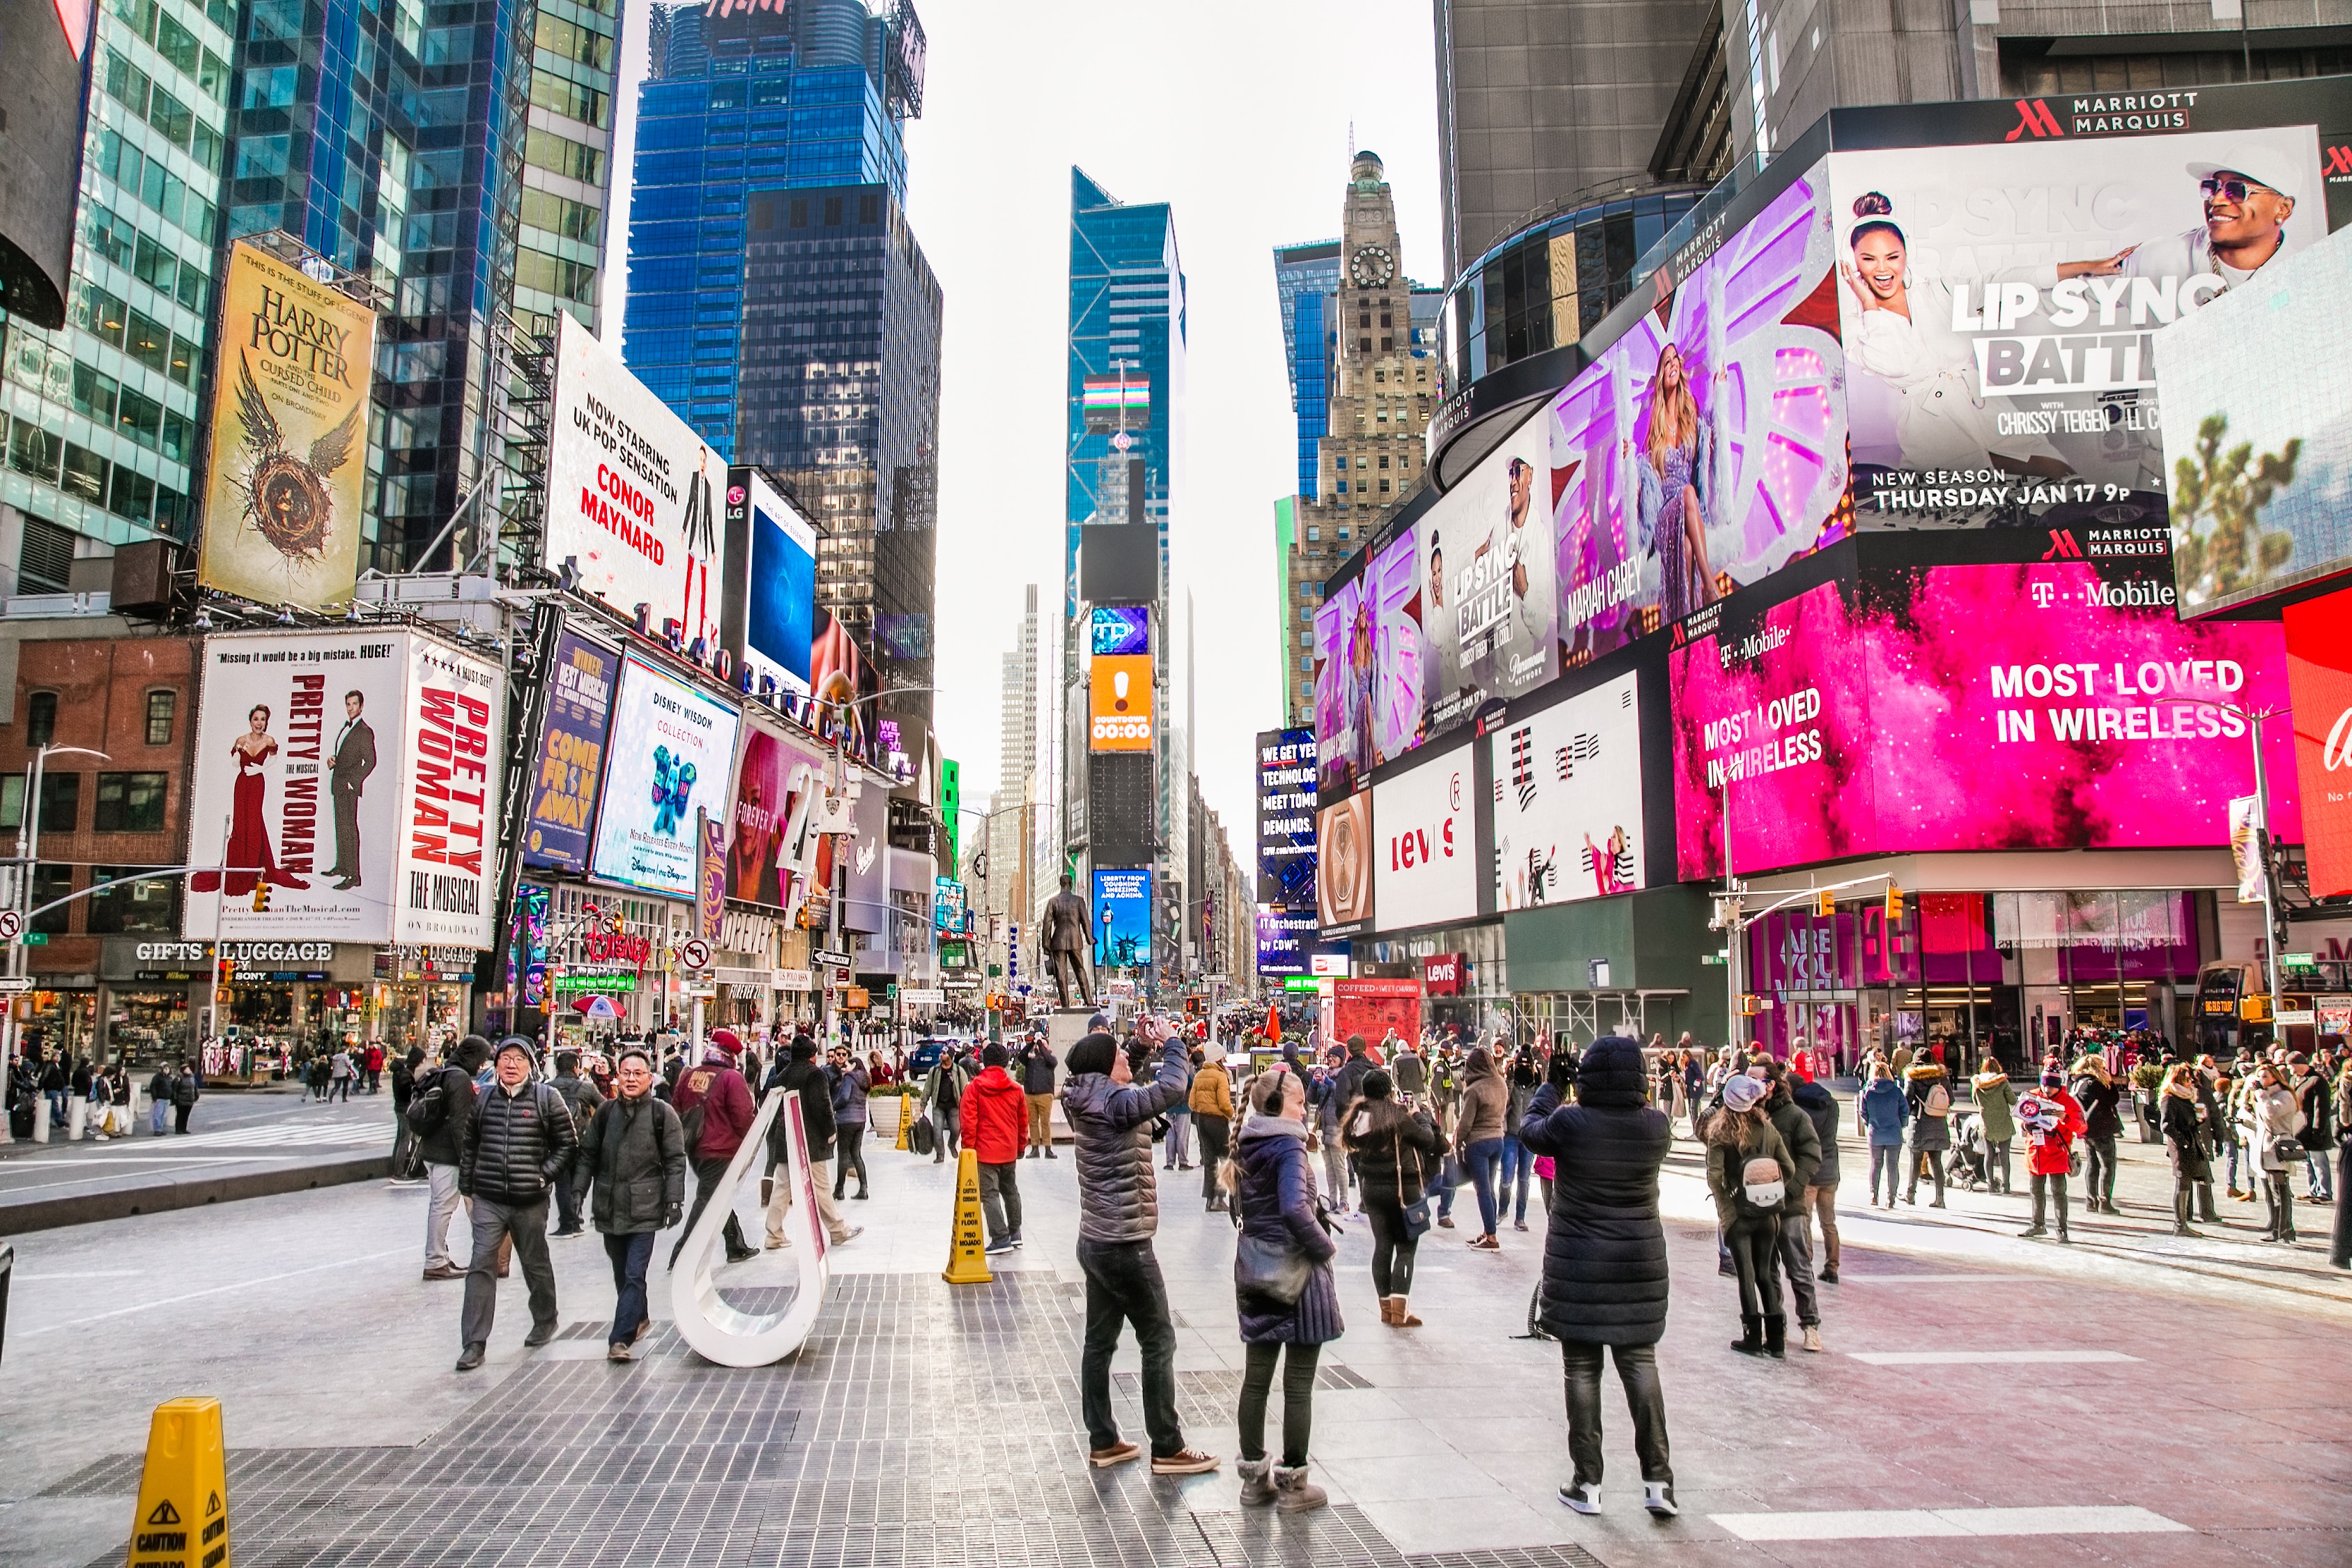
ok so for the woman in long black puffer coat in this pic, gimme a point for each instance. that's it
(1275, 1202)
(1604, 1271)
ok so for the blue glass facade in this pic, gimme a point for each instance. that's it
(1127, 319)
(754, 102)
(1305, 277)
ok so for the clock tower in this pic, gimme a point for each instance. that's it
(1382, 387)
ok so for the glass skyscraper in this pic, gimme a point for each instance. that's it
(460, 153)
(101, 415)
(840, 396)
(800, 95)
(1306, 277)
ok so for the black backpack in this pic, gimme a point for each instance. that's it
(428, 1107)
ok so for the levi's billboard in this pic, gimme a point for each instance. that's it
(1940, 698)
(2319, 683)
(1424, 845)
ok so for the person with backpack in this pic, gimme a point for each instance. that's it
(1931, 1099)
(404, 1138)
(440, 1109)
(517, 1143)
(633, 1161)
(2273, 1119)
(1750, 1172)
(581, 1099)
(1396, 1147)
(1604, 1279)
(714, 1104)
(1996, 1099)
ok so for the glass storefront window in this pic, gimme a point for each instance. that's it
(149, 1028)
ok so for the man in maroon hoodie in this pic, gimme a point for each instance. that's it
(716, 1105)
(995, 1118)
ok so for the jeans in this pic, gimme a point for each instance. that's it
(2099, 1169)
(945, 1121)
(440, 1208)
(1934, 1158)
(567, 1206)
(1887, 1157)
(1393, 1247)
(1796, 1250)
(1484, 1155)
(632, 1255)
(1821, 1203)
(1123, 1286)
(1997, 1160)
(155, 1117)
(2054, 1187)
(2316, 1172)
(56, 1108)
(1212, 1129)
(1178, 1122)
(1041, 1121)
(493, 1222)
(1297, 1400)
(707, 1174)
(848, 1152)
(1755, 1243)
(2230, 1151)
(1637, 1369)
(1449, 1180)
(1518, 1165)
(1335, 1168)
(1000, 1200)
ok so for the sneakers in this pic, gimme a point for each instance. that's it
(619, 1353)
(1658, 1496)
(854, 1232)
(997, 1249)
(1518, 1224)
(1813, 1338)
(472, 1357)
(1486, 1244)
(1584, 1497)
(1016, 1238)
(1116, 1454)
(1192, 1462)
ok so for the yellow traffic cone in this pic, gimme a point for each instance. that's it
(183, 1512)
(967, 1259)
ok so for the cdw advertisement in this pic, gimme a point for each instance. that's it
(1974, 705)
(1424, 845)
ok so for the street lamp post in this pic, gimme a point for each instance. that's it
(29, 849)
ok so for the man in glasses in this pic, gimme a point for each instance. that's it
(2248, 200)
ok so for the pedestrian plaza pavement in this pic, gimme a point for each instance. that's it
(1984, 1400)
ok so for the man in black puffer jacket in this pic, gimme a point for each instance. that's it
(518, 1144)
(1604, 1272)
(1119, 1213)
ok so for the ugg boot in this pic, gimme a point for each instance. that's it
(1387, 1309)
(1751, 1335)
(1776, 1335)
(1257, 1481)
(1297, 1494)
(1404, 1319)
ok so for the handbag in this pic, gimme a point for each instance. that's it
(2286, 1151)
(1762, 1184)
(1273, 1270)
(1416, 1213)
(922, 1136)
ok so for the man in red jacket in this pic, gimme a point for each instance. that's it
(995, 1119)
(718, 1092)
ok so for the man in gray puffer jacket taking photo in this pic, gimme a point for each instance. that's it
(1119, 1213)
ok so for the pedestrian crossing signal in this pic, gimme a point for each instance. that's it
(1751, 1004)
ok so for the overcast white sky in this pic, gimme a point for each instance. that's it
(1238, 114)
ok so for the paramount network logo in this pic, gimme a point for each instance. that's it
(2034, 120)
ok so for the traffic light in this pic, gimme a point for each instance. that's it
(1825, 902)
(1893, 904)
(1751, 1004)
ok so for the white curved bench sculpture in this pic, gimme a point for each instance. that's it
(728, 1335)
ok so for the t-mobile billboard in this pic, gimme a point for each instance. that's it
(1968, 705)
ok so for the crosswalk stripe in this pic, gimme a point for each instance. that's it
(1985, 1358)
(1907, 1523)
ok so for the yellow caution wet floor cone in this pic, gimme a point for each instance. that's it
(183, 1515)
(906, 1104)
(967, 1259)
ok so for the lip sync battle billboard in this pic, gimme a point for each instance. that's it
(1936, 699)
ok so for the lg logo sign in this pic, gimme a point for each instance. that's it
(2338, 750)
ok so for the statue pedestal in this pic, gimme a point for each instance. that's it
(1065, 1027)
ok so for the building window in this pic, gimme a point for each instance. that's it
(149, 907)
(60, 802)
(40, 719)
(160, 707)
(1364, 345)
(130, 803)
(1315, 535)
(49, 884)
